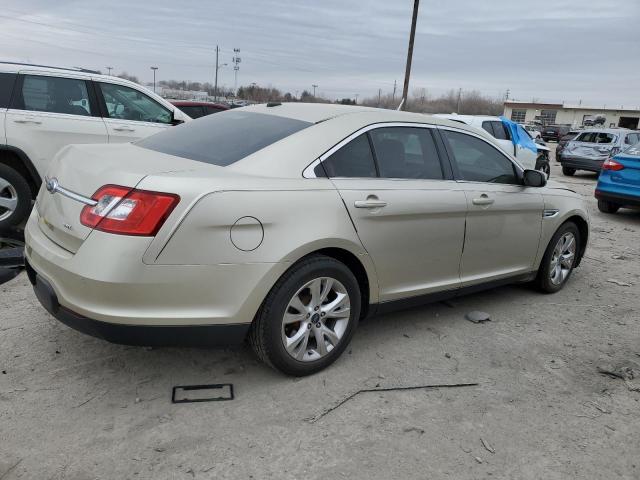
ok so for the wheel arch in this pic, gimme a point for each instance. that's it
(18, 160)
(583, 229)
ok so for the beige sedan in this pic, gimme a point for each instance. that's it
(288, 223)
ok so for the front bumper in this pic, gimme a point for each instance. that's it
(112, 294)
(582, 163)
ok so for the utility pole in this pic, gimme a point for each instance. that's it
(109, 68)
(357, 98)
(215, 85)
(412, 35)
(379, 95)
(395, 84)
(218, 66)
(506, 95)
(314, 90)
(424, 92)
(154, 78)
(236, 67)
(459, 99)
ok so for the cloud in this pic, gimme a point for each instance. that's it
(568, 50)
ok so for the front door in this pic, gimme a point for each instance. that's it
(408, 213)
(130, 114)
(504, 218)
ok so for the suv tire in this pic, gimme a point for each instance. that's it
(568, 171)
(15, 197)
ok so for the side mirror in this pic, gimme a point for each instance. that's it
(534, 178)
(174, 120)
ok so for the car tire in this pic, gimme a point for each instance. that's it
(559, 259)
(14, 188)
(568, 171)
(543, 165)
(277, 322)
(608, 207)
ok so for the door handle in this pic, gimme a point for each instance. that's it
(27, 120)
(483, 200)
(369, 203)
(124, 129)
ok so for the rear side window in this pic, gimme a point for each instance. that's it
(7, 81)
(478, 161)
(588, 137)
(405, 152)
(55, 95)
(209, 110)
(354, 160)
(631, 139)
(225, 138)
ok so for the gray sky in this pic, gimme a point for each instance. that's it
(567, 50)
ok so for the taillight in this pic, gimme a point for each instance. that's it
(127, 211)
(611, 164)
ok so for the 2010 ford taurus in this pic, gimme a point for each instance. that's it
(287, 224)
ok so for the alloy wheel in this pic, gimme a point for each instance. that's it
(8, 199)
(562, 258)
(316, 318)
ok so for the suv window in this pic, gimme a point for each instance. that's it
(588, 137)
(223, 139)
(56, 95)
(478, 161)
(354, 160)
(6, 88)
(126, 103)
(496, 129)
(605, 138)
(406, 152)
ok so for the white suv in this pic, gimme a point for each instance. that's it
(495, 128)
(43, 109)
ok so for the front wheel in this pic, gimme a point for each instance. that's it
(308, 317)
(545, 168)
(608, 207)
(559, 258)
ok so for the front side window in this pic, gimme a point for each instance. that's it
(587, 137)
(55, 95)
(126, 103)
(354, 160)
(224, 138)
(605, 138)
(406, 152)
(478, 161)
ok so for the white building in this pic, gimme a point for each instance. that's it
(572, 115)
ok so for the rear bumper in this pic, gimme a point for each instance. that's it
(140, 335)
(582, 163)
(628, 200)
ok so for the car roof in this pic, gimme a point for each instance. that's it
(606, 130)
(468, 118)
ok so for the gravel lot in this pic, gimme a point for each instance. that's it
(75, 407)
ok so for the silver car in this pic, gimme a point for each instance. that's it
(287, 224)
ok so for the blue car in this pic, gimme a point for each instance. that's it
(619, 182)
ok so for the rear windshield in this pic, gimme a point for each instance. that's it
(224, 138)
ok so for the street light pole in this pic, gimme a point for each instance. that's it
(407, 73)
(154, 78)
(109, 68)
(314, 90)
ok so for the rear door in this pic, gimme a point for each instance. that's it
(7, 81)
(407, 210)
(130, 114)
(49, 112)
(504, 218)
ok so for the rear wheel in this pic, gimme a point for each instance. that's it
(608, 207)
(568, 171)
(308, 318)
(559, 258)
(15, 197)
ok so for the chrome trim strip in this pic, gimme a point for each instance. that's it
(53, 186)
(308, 171)
(550, 213)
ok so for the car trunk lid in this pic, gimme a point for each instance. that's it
(77, 172)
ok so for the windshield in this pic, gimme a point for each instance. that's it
(224, 138)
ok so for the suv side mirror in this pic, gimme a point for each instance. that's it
(534, 178)
(174, 120)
